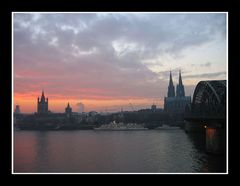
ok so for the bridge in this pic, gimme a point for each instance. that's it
(207, 114)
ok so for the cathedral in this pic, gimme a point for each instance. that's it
(176, 103)
(42, 104)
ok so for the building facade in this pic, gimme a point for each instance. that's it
(42, 104)
(176, 103)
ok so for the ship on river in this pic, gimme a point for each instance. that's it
(113, 126)
(167, 127)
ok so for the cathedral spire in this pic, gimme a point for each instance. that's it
(180, 78)
(170, 80)
(180, 87)
(171, 91)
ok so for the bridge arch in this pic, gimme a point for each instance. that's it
(209, 97)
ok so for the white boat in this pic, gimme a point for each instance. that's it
(113, 126)
(167, 127)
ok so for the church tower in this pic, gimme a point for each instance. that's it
(180, 87)
(42, 104)
(68, 110)
(171, 90)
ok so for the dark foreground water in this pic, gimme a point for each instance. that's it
(88, 151)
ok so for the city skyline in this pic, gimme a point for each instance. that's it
(108, 60)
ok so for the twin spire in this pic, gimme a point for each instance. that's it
(180, 78)
(171, 90)
(180, 87)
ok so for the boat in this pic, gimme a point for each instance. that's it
(167, 127)
(113, 126)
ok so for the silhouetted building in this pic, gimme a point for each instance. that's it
(68, 110)
(42, 104)
(17, 109)
(176, 104)
(92, 113)
(153, 108)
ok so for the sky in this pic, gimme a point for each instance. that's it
(112, 61)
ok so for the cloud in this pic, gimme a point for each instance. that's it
(108, 56)
(207, 75)
(208, 64)
(151, 33)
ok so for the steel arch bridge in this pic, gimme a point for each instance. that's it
(209, 99)
(208, 115)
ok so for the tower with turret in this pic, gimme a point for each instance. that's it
(68, 110)
(42, 104)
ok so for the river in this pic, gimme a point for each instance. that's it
(89, 151)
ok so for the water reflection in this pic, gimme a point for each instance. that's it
(109, 151)
(208, 162)
(24, 153)
(42, 149)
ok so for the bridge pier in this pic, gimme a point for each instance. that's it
(214, 134)
(215, 140)
(208, 114)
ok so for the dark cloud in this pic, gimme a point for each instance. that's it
(207, 75)
(153, 32)
(101, 54)
(208, 64)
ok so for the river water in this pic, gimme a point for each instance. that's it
(89, 151)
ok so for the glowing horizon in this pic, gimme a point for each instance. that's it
(100, 105)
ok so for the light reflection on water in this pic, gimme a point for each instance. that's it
(155, 151)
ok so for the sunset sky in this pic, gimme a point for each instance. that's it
(108, 60)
